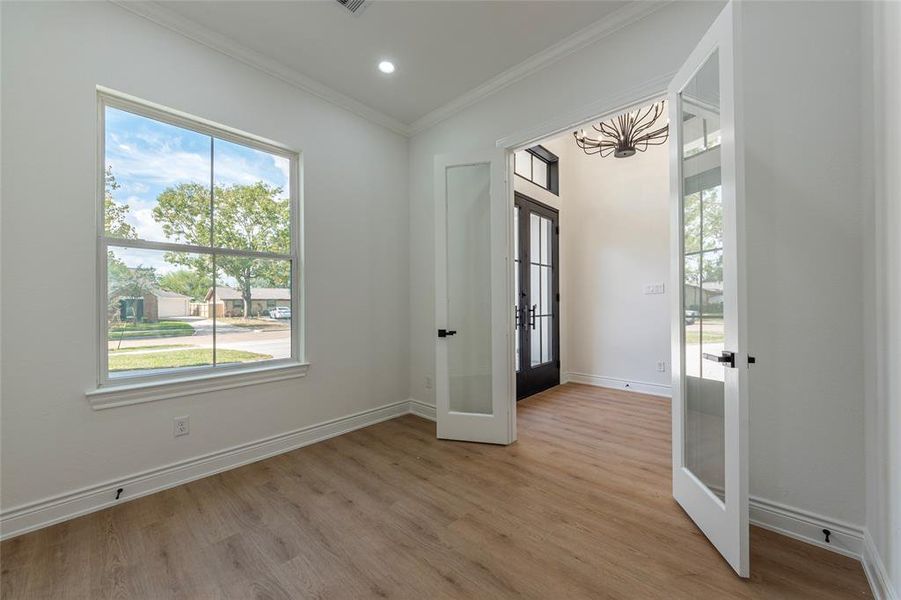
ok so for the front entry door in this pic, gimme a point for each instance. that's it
(536, 313)
(710, 360)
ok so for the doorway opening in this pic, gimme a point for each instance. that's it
(591, 299)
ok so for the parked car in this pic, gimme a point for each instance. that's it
(280, 312)
(691, 316)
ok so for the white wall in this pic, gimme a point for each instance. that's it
(883, 426)
(804, 248)
(803, 223)
(616, 239)
(356, 237)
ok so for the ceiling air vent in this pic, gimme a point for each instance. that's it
(355, 6)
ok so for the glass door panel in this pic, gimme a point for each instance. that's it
(704, 439)
(469, 288)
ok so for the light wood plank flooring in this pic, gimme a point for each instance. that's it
(579, 507)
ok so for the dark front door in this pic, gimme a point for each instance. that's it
(538, 301)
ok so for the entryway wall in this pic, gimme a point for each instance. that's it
(614, 243)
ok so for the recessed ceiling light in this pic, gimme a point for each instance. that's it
(386, 66)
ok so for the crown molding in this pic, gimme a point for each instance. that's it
(196, 32)
(622, 17)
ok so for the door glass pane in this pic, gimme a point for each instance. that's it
(704, 437)
(469, 288)
(541, 271)
(516, 285)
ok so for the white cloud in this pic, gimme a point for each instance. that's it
(161, 168)
(138, 257)
(135, 187)
(146, 226)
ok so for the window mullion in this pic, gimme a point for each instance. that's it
(213, 273)
(175, 247)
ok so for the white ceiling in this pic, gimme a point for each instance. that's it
(442, 48)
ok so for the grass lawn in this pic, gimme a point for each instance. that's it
(160, 347)
(251, 323)
(131, 331)
(195, 357)
(710, 337)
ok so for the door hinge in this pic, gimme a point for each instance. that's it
(558, 296)
(558, 364)
(557, 230)
(751, 360)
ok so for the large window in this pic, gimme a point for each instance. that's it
(198, 245)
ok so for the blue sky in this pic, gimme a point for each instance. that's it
(147, 156)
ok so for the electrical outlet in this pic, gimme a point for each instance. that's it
(182, 426)
(428, 382)
(654, 288)
(661, 366)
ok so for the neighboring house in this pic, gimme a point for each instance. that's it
(262, 299)
(708, 293)
(155, 305)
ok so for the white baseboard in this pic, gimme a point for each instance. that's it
(642, 387)
(43, 513)
(421, 409)
(844, 538)
(875, 570)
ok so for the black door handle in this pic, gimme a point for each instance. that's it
(726, 358)
(446, 332)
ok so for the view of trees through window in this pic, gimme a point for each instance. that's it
(197, 235)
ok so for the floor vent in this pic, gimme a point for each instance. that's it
(355, 6)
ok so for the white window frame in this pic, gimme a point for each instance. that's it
(132, 389)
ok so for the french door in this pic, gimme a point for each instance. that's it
(709, 357)
(473, 378)
(536, 295)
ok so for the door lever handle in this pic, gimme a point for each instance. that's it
(725, 358)
(446, 332)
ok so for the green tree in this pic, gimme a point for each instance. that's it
(127, 282)
(189, 282)
(114, 213)
(247, 217)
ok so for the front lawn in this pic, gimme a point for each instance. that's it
(194, 357)
(132, 331)
(160, 347)
(253, 323)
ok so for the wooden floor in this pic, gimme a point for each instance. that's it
(579, 507)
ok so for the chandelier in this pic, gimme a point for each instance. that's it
(625, 134)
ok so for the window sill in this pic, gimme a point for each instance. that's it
(115, 395)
